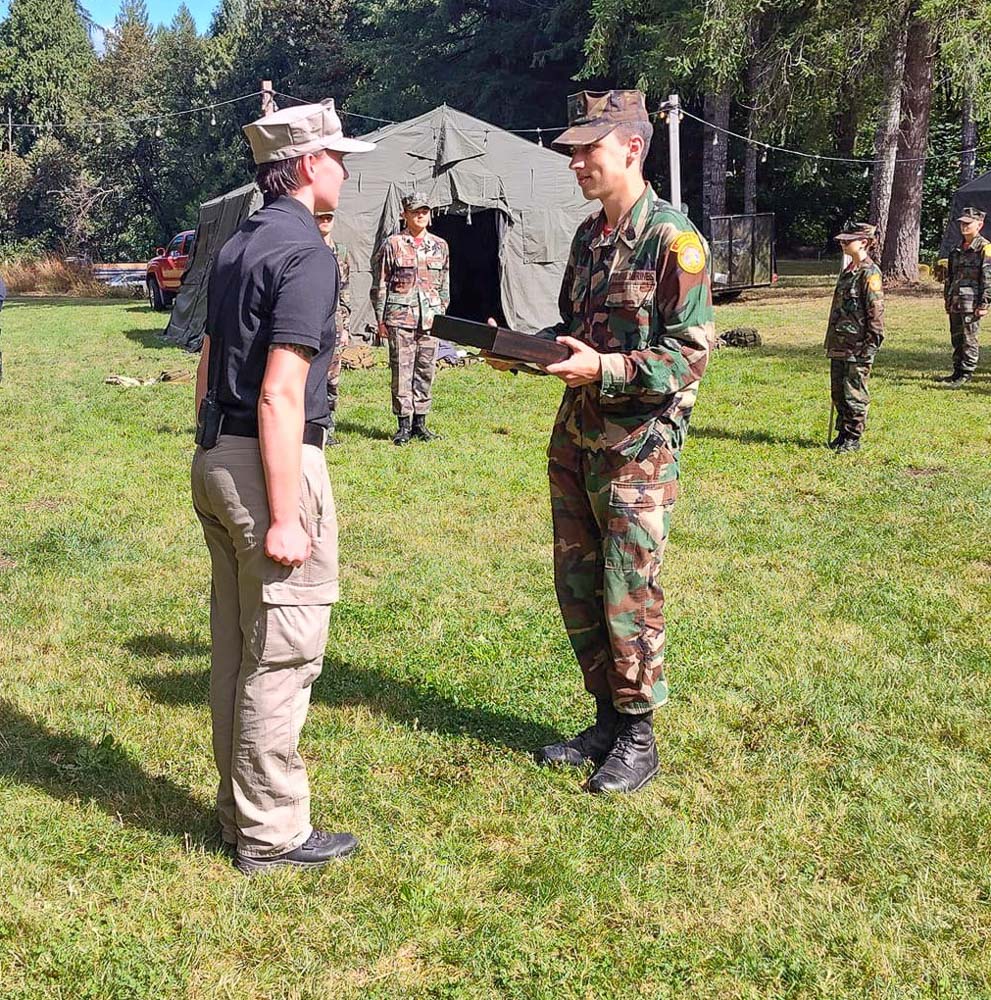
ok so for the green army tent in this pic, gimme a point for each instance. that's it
(507, 207)
(974, 194)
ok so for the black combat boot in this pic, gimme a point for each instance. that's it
(952, 377)
(632, 761)
(402, 435)
(961, 378)
(320, 849)
(848, 445)
(590, 744)
(420, 428)
(836, 442)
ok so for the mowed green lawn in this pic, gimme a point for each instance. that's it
(820, 826)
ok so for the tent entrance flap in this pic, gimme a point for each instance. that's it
(474, 263)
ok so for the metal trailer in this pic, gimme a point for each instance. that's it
(742, 251)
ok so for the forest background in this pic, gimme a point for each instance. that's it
(902, 84)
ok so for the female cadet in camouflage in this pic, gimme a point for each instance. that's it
(636, 311)
(325, 223)
(854, 334)
(967, 295)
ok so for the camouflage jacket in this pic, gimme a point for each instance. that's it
(968, 277)
(411, 283)
(640, 295)
(343, 315)
(856, 318)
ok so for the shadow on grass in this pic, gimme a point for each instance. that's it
(149, 338)
(71, 767)
(162, 644)
(405, 700)
(345, 426)
(752, 436)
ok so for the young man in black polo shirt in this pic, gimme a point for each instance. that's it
(262, 493)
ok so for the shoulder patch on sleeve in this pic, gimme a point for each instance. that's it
(874, 282)
(690, 253)
(987, 249)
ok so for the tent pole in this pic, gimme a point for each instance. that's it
(268, 98)
(674, 148)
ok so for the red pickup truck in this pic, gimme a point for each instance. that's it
(164, 270)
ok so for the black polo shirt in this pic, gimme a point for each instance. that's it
(275, 282)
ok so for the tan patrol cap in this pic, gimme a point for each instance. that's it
(971, 214)
(305, 128)
(857, 231)
(592, 116)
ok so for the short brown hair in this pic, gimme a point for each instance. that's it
(626, 131)
(279, 177)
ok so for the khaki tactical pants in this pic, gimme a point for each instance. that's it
(268, 626)
(413, 360)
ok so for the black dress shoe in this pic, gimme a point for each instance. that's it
(420, 428)
(319, 849)
(632, 761)
(402, 435)
(590, 744)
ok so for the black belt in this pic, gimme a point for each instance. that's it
(312, 433)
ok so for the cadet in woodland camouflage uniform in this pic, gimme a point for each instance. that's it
(636, 311)
(325, 223)
(967, 295)
(411, 285)
(854, 334)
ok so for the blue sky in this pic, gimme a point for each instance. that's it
(160, 11)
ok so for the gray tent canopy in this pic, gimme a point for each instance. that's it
(975, 194)
(507, 207)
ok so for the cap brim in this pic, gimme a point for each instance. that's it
(968, 218)
(583, 135)
(846, 237)
(344, 145)
(414, 208)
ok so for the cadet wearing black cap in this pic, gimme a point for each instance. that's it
(261, 491)
(967, 295)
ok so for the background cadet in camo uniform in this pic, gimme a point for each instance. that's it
(636, 311)
(854, 334)
(967, 295)
(411, 285)
(325, 223)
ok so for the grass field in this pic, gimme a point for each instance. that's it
(821, 824)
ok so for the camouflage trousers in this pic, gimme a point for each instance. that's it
(413, 360)
(964, 329)
(611, 518)
(334, 376)
(848, 389)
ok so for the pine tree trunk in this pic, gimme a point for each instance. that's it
(968, 142)
(751, 153)
(714, 149)
(901, 243)
(886, 136)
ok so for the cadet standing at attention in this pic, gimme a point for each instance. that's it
(260, 487)
(411, 285)
(854, 334)
(325, 222)
(967, 295)
(636, 311)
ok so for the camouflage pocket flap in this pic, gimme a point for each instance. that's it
(629, 289)
(643, 495)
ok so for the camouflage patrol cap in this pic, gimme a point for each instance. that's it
(415, 200)
(971, 214)
(305, 128)
(592, 116)
(857, 231)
